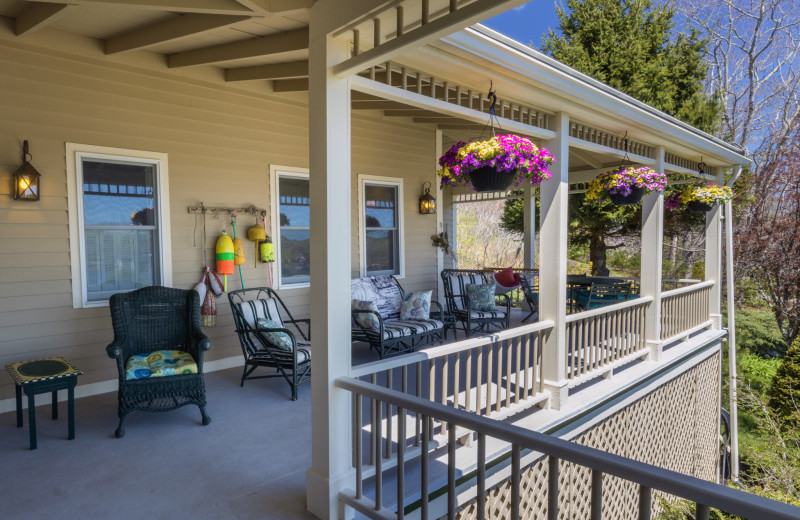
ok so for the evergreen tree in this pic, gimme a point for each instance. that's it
(631, 46)
(784, 395)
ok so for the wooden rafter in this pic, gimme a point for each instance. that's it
(173, 6)
(254, 47)
(284, 7)
(380, 105)
(38, 16)
(169, 30)
(288, 70)
(290, 85)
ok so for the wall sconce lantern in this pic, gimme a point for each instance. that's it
(26, 178)
(427, 202)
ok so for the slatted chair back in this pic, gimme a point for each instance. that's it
(455, 286)
(602, 294)
(529, 280)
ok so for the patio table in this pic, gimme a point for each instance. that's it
(38, 377)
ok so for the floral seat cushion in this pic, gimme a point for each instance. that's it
(160, 363)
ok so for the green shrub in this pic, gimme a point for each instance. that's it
(758, 371)
(784, 395)
(758, 332)
(684, 510)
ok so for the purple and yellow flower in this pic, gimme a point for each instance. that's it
(623, 181)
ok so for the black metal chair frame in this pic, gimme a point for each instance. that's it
(258, 352)
(150, 319)
(531, 293)
(402, 344)
(608, 293)
(469, 323)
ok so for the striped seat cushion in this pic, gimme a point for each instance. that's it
(481, 314)
(401, 328)
(254, 310)
(303, 355)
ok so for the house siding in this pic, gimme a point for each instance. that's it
(221, 142)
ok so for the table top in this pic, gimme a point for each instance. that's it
(26, 372)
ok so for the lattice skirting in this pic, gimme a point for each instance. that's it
(676, 426)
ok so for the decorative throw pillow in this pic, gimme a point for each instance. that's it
(279, 340)
(366, 319)
(506, 277)
(416, 306)
(481, 297)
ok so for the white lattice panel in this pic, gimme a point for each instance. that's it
(651, 430)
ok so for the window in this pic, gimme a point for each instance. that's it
(381, 229)
(292, 219)
(118, 209)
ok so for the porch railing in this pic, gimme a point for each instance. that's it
(518, 442)
(601, 339)
(685, 310)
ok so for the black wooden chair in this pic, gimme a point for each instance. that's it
(157, 333)
(455, 291)
(268, 347)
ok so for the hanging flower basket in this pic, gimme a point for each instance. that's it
(698, 207)
(701, 198)
(489, 179)
(626, 185)
(494, 165)
(621, 199)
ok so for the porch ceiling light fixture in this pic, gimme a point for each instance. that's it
(427, 202)
(26, 178)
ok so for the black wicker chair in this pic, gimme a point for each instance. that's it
(152, 319)
(250, 305)
(455, 282)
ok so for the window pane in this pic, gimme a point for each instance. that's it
(118, 194)
(380, 206)
(119, 260)
(382, 252)
(294, 205)
(295, 256)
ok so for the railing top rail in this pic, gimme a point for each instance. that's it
(445, 350)
(691, 488)
(688, 288)
(681, 280)
(643, 300)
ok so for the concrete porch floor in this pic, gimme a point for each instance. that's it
(250, 462)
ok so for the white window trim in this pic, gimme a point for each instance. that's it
(284, 171)
(75, 204)
(362, 239)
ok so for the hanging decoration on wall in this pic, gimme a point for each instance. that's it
(267, 250)
(208, 311)
(225, 257)
(238, 251)
(256, 233)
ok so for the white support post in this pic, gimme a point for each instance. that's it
(652, 250)
(329, 160)
(553, 264)
(713, 266)
(529, 235)
(440, 215)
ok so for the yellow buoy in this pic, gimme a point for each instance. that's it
(238, 252)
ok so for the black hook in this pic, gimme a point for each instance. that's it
(492, 96)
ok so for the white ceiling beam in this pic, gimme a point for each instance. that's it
(169, 30)
(432, 31)
(380, 105)
(290, 85)
(254, 47)
(411, 112)
(282, 7)
(461, 126)
(288, 70)
(594, 162)
(174, 6)
(38, 16)
(444, 108)
(438, 120)
(599, 148)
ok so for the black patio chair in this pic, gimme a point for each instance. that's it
(150, 325)
(455, 291)
(529, 281)
(263, 346)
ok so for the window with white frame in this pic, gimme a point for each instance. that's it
(118, 210)
(292, 223)
(381, 226)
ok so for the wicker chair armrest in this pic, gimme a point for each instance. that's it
(438, 306)
(201, 340)
(115, 349)
(508, 301)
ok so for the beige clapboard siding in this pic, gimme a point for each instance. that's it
(221, 142)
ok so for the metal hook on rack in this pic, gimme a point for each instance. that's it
(492, 95)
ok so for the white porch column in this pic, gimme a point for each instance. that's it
(529, 234)
(652, 250)
(440, 215)
(553, 263)
(329, 161)
(713, 267)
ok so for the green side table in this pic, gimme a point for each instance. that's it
(41, 376)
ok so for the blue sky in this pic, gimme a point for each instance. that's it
(527, 23)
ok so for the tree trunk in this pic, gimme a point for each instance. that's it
(597, 254)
